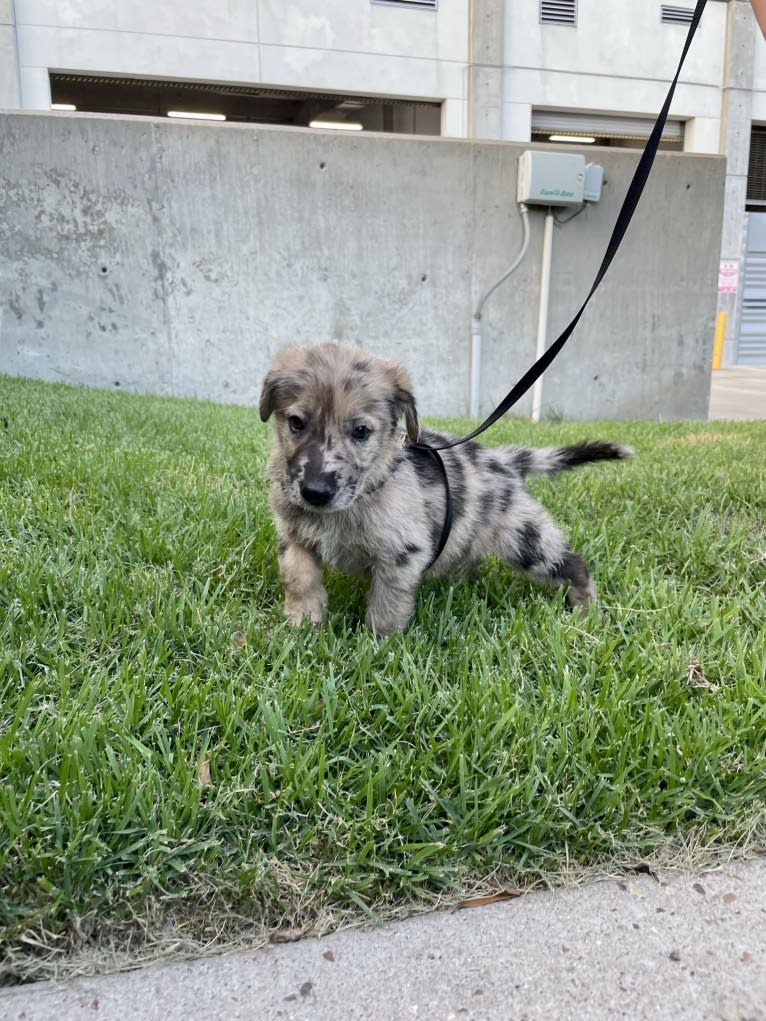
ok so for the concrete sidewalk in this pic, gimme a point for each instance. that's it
(738, 392)
(640, 948)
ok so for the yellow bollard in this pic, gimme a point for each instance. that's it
(720, 336)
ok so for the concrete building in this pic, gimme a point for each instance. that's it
(517, 70)
(555, 73)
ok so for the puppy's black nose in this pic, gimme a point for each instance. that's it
(318, 492)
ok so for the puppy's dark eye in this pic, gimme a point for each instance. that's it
(360, 433)
(296, 424)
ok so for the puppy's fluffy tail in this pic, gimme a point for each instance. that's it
(549, 460)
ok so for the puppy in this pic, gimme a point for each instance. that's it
(348, 490)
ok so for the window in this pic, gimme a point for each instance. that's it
(558, 12)
(254, 104)
(671, 15)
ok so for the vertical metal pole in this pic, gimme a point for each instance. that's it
(542, 316)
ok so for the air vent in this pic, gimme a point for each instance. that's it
(676, 15)
(558, 12)
(756, 171)
(423, 5)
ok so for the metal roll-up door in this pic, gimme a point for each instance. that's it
(751, 343)
(568, 122)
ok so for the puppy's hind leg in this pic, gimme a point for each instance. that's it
(301, 575)
(573, 571)
(536, 547)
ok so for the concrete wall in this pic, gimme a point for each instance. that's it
(10, 97)
(177, 258)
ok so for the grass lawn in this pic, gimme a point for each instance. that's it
(180, 769)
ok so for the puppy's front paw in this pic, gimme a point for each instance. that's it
(301, 574)
(383, 629)
(390, 604)
(313, 609)
(386, 623)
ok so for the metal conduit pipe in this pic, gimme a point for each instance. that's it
(476, 321)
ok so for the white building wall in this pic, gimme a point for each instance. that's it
(617, 60)
(759, 82)
(373, 50)
(9, 68)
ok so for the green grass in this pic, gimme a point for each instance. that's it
(499, 740)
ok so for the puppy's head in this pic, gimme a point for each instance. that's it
(337, 412)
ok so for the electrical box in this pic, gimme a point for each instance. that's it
(550, 178)
(594, 179)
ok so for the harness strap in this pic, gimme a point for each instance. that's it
(433, 453)
(628, 208)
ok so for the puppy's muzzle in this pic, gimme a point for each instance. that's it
(319, 490)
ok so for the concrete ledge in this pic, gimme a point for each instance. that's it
(176, 258)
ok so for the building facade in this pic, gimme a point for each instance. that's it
(558, 72)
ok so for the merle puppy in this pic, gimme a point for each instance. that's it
(350, 491)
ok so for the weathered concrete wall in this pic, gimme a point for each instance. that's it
(177, 258)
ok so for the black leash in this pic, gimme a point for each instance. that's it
(628, 208)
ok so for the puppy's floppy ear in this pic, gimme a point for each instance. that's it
(283, 381)
(404, 402)
(275, 390)
(267, 397)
